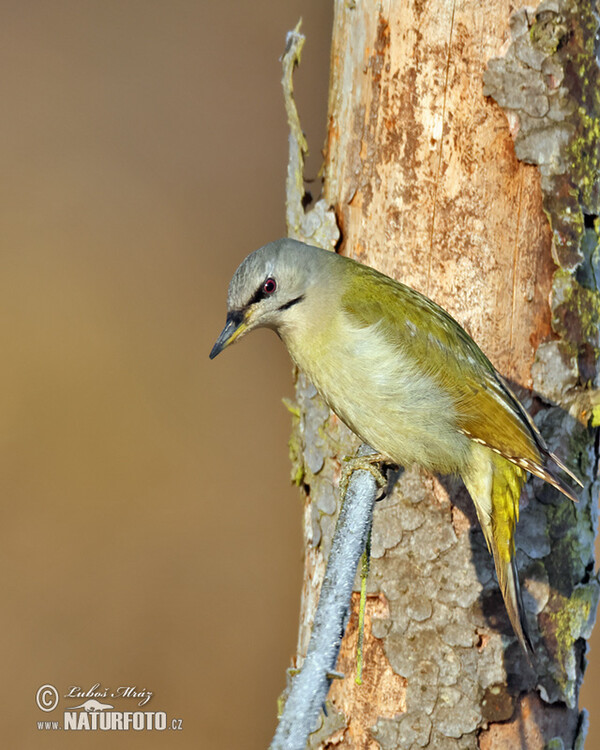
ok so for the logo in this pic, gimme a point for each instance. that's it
(47, 698)
(92, 711)
(92, 706)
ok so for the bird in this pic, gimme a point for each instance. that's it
(405, 377)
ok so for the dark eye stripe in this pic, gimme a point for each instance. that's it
(257, 296)
(291, 303)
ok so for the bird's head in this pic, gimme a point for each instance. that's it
(270, 288)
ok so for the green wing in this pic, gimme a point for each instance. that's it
(486, 409)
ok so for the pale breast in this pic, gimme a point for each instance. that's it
(382, 394)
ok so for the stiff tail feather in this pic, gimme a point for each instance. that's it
(539, 468)
(566, 470)
(511, 592)
(494, 484)
(548, 475)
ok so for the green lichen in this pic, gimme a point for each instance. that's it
(595, 422)
(571, 299)
(576, 58)
(297, 474)
(584, 156)
(576, 320)
(570, 620)
(553, 53)
(548, 32)
(295, 443)
(553, 58)
(582, 76)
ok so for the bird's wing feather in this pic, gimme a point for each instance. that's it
(486, 409)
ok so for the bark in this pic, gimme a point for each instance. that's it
(428, 102)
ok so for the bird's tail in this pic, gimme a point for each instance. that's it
(548, 473)
(495, 485)
(545, 464)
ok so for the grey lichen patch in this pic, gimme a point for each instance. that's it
(437, 616)
(536, 588)
(575, 318)
(550, 81)
(571, 619)
(554, 371)
(459, 634)
(314, 413)
(317, 433)
(317, 226)
(389, 531)
(457, 714)
(532, 532)
(568, 585)
(410, 731)
(326, 501)
(330, 723)
(397, 513)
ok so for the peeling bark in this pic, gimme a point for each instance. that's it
(422, 177)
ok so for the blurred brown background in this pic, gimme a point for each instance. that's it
(150, 536)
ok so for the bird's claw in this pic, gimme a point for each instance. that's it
(374, 463)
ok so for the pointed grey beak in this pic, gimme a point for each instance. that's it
(234, 325)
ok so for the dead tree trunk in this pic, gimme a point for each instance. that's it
(462, 159)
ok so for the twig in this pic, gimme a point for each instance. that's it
(311, 685)
(318, 225)
(298, 147)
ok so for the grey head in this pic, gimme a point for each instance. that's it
(267, 285)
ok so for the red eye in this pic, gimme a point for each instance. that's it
(269, 286)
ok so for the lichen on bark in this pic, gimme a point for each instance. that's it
(548, 82)
(417, 157)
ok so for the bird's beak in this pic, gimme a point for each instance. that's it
(236, 324)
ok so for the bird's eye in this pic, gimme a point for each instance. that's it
(269, 286)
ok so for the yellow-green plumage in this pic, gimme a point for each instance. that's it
(404, 376)
(495, 485)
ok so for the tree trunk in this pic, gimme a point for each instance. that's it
(424, 182)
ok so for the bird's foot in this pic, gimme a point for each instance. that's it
(374, 463)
